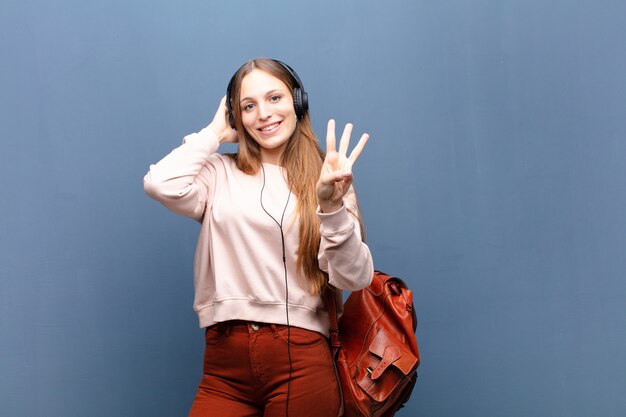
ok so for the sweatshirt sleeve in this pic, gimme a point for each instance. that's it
(183, 180)
(342, 254)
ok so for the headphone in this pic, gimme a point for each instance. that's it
(300, 97)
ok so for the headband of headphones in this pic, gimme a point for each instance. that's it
(300, 97)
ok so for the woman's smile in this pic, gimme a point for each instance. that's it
(271, 128)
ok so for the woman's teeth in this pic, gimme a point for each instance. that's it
(270, 127)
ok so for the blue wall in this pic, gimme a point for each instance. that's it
(494, 183)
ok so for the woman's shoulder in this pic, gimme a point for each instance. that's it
(224, 161)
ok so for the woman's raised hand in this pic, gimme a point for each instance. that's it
(221, 126)
(336, 175)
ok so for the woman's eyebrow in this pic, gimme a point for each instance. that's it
(276, 90)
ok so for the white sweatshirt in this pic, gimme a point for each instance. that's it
(238, 266)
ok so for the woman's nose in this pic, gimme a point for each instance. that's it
(264, 111)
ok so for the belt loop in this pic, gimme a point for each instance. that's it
(274, 330)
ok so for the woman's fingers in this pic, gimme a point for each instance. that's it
(356, 152)
(342, 162)
(330, 137)
(335, 176)
(345, 139)
(220, 124)
(333, 186)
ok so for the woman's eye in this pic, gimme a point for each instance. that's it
(248, 107)
(274, 99)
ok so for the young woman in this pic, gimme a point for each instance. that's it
(279, 224)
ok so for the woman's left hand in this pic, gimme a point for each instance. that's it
(336, 175)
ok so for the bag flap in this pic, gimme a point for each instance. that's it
(392, 352)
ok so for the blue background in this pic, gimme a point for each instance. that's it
(494, 183)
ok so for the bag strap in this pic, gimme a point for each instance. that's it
(330, 297)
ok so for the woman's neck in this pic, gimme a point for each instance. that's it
(272, 156)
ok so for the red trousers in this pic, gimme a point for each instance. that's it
(247, 367)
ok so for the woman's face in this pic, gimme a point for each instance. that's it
(267, 113)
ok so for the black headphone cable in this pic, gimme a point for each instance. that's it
(282, 237)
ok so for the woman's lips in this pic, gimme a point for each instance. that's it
(270, 128)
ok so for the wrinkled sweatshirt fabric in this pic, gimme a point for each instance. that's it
(239, 272)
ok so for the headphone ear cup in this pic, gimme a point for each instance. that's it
(229, 104)
(300, 102)
(297, 102)
(304, 101)
(231, 117)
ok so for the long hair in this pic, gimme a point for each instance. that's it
(302, 160)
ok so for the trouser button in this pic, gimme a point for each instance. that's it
(255, 326)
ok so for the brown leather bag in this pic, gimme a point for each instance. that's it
(374, 347)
